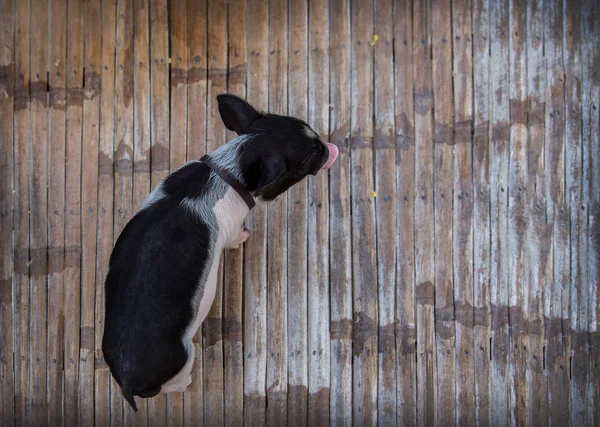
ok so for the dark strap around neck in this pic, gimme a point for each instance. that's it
(231, 180)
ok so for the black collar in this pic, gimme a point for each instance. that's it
(231, 180)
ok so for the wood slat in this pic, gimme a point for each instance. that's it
(499, 49)
(297, 236)
(539, 254)
(424, 218)
(21, 208)
(233, 281)
(385, 205)
(406, 344)
(556, 357)
(277, 224)
(318, 221)
(89, 205)
(255, 250)
(364, 262)
(72, 303)
(591, 155)
(445, 329)
(56, 209)
(463, 209)
(7, 175)
(38, 209)
(518, 222)
(578, 306)
(105, 225)
(481, 211)
(340, 224)
(213, 324)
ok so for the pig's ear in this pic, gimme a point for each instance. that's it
(236, 113)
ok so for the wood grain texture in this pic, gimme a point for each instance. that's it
(424, 213)
(556, 356)
(578, 306)
(462, 222)
(445, 328)
(539, 253)
(38, 208)
(72, 307)
(89, 203)
(385, 208)
(481, 211)
(499, 49)
(518, 221)
(406, 336)
(364, 262)
(443, 271)
(340, 223)
(591, 165)
(7, 176)
(297, 236)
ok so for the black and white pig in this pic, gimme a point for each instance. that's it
(162, 274)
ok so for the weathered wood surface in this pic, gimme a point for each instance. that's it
(444, 271)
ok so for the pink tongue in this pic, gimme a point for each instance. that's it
(333, 153)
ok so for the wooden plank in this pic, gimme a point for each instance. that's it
(255, 251)
(364, 336)
(105, 226)
(481, 211)
(539, 252)
(233, 281)
(424, 222)
(591, 156)
(463, 209)
(141, 109)
(89, 206)
(556, 357)
(178, 135)
(277, 224)
(38, 206)
(7, 145)
(193, 402)
(297, 241)
(318, 221)
(406, 350)
(445, 335)
(385, 205)
(123, 156)
(21, 206)
(159, 136)
(159, 120)
(498, 216)
(340, 219)
(72, 307)
(56, 209)
(518, 221)
(578, 306)
(213, 324)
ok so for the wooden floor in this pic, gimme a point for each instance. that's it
(446, 270)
